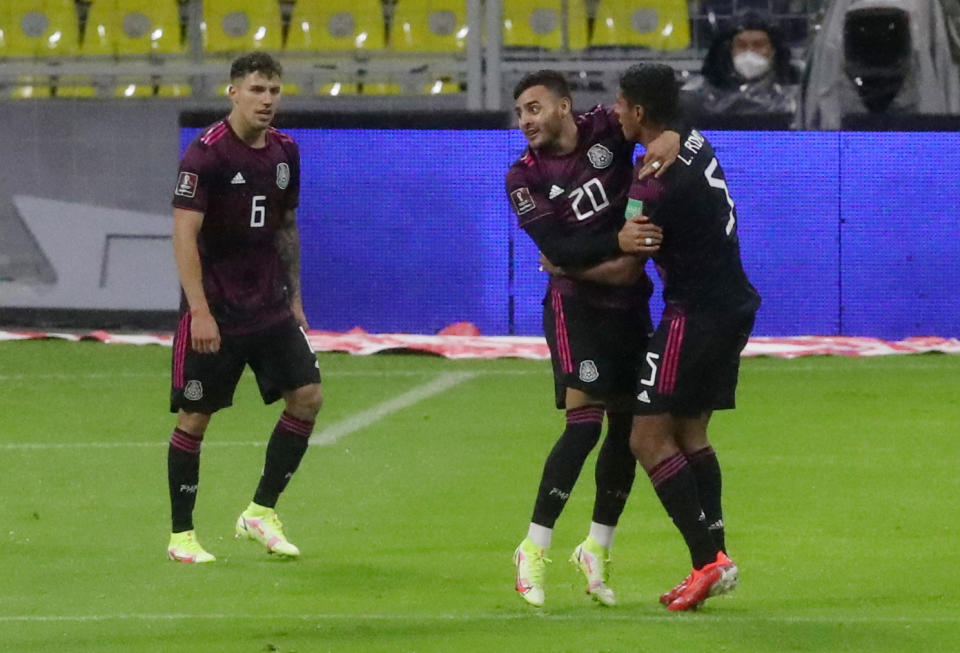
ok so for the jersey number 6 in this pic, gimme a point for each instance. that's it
(258, 212)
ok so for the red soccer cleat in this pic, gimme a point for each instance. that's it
(667, 597)
(714, 579)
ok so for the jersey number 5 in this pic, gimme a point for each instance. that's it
(720, 182)
(258, 211)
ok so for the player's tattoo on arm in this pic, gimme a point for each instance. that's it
(288, 248)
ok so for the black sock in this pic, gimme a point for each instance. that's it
(565, 461)
(616, 468)
(706, 469)
(284, 453)
(183, 476)
(677, 488)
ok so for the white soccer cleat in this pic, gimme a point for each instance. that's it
(184, 547)
(262, 524)
(531, 562)
(593, 562)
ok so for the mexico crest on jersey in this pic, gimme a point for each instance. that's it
(600, 157)
(283, 175)
(588, 371)
(193, 391)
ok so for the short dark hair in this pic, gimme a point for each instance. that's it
(255, 62)
(654, 87)
(551, 79)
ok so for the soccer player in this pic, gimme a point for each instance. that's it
(569, 191)
(692, 362)
(238, 256)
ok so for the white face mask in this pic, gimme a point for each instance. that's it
(751, 65)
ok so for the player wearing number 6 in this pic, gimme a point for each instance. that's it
(691, 364)
(238, 256)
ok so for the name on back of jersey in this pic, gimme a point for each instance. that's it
(691, 147)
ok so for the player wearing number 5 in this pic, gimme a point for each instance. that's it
(238, 256)
(691, 364)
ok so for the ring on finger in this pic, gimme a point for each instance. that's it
(656, 165)
(648, 241)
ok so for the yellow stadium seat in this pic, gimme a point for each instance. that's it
(539, 24)
(382, 88)
(336, 89)
(41, 28)
(655, 24)
(429, 26)
(441, 86)
(26, 88)
(134, 89)
(241, 25)
(74, 87)
(324, 25)
(174, 90)
(132, 27)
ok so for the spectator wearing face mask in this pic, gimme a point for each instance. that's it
(747, 70)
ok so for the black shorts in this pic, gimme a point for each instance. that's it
(281, 358)
(594, 349)
(691, 364)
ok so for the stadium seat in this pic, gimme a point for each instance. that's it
(41, 28)
(231, 26)
(429, 26)
(336, 89)
(325, 25)
(132, 27)
(73, 87)
(441, 86)
(539, 24)
(134, 89)
(654, 24)
(381, 88)
(26, 88)
(174, 90)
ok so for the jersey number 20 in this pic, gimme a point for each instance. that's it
(596, 197)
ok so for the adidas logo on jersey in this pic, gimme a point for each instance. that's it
(644, 397)
(238, 179)
(555, 190)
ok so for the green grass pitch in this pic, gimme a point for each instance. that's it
(841, 496)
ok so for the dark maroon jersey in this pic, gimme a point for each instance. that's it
(572, 205)
(243, 193)
(700, 255)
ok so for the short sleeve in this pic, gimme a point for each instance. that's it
(194, 179)
(528, 204)
(292, 199)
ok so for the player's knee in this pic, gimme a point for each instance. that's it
(305, 402)
(648, 440)
(193, 423)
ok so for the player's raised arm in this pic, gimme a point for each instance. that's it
(288, 247)
(204, 333)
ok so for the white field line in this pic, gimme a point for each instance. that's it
(365, 418)
(328, 435)
(841, 618)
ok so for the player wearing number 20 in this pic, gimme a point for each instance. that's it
(569, 191)
(238, 256)
(691, 364)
